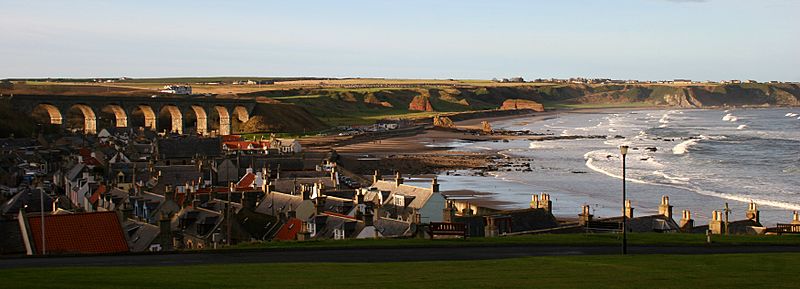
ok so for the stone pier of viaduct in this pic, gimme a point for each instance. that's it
(178, 114)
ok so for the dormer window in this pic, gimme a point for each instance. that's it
(399, 201)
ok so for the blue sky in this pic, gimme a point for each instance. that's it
(645, 39)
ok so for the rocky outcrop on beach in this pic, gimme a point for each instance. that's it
(522, 104)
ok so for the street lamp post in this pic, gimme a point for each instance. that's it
(624, 151)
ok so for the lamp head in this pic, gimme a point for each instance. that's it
(623, 150)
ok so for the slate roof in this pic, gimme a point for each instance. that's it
(97, 232)
(278, 202)
(420, 194)
(258, 226)
(75, 171)
(140, 235)
(27, 196)
(189, 147)
(651, 223)
(392, 228)
(286, 185)
(11, 242)
(327, 223)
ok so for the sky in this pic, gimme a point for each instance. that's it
(620, 39)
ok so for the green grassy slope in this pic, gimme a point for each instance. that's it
(638, 271)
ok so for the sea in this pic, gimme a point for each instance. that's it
(700, 158)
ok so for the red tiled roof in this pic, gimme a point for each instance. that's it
(97, 193)
(245, 145)
(227, 138)
(98, 232)
(289, 230)
(246, 182)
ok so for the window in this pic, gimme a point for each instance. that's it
(312, 229)
(399, 201)
(338, 234)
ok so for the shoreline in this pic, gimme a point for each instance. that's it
(438, 146)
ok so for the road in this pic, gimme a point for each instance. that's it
(367, 255)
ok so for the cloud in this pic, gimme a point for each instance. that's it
(688, 1)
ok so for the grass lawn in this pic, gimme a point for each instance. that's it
(633, 271)
(543, 239)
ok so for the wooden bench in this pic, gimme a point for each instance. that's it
(448, 229)
(787, 229)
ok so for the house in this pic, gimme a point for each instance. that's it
(407, 202)
(177, 89)
(661, 222)
(87, 233)
(149, 207)
(286, 146)
(719, 224)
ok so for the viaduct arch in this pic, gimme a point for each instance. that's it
(202, 116)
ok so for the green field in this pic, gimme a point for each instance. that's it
(642, 239)
(633, 271)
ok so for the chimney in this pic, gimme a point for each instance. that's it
(628, 209)
(665, 208)
(375, 177)
(127, 210)
(795, 218)
(305, 192)
(586, 215)
(165, 236)
(319, 203)
(449, 213)
(534, 201)
(250, 199)
(359, 197)
(715, 225)
(398, 179)
(369, 217)
(491, 229)
(686, 222)
(752, 212)
(435, 184)
(546, 203)
(416, 217)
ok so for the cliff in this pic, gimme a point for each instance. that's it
(522, 104)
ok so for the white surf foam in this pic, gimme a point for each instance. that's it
(743, 126)
(683, 147)
(728, 117)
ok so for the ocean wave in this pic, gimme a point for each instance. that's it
(539, 145)
(791, 114)
(730, 117)
(685, 184)
(683, 147)
(674, 179)
(747, 199)
(743, 126)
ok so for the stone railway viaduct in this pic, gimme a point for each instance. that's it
(179, 114)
